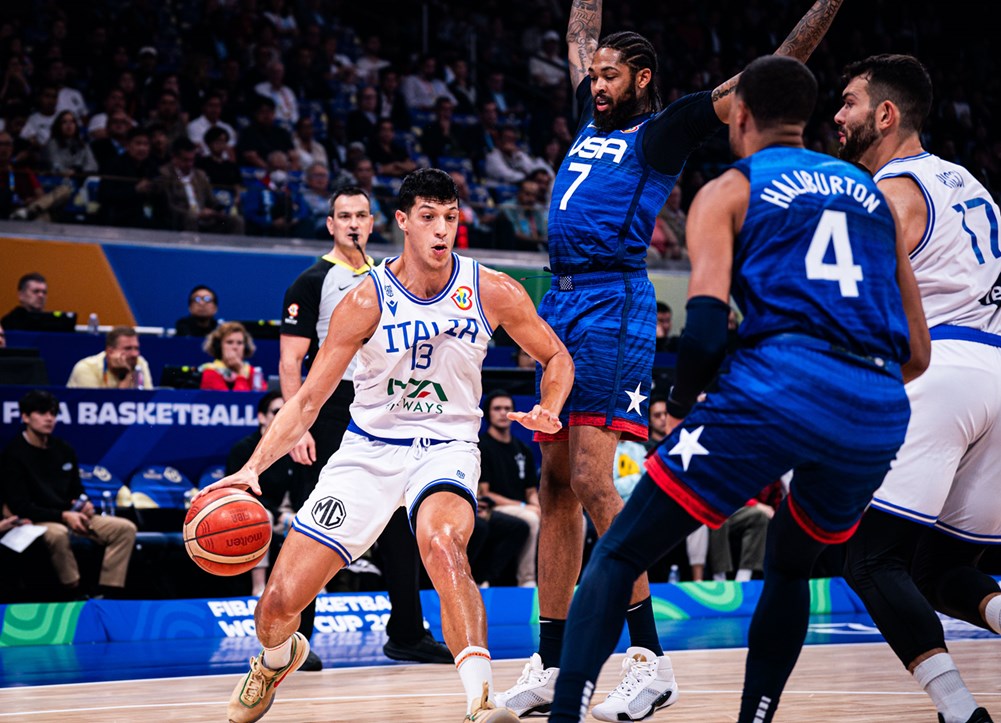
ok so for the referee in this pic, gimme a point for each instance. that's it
(308, 304)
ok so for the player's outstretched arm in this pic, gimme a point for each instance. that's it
(507, 304)
(355, 320)
(799, 44)
(583, 32)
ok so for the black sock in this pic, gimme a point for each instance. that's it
(551, 641)
(778, 627)
(642, 626)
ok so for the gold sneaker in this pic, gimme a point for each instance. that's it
(255, 692)
(487, 711)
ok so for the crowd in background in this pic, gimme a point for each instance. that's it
(238, 116)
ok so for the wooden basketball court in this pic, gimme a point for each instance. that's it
(853, 682)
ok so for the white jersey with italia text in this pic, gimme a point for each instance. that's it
(958, 262)
(420, 374)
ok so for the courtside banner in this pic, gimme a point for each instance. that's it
(126, 430)
(507, 608)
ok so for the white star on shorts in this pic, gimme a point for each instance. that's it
(635, 399)
(688, 446)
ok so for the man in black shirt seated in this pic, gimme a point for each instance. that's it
(203, 304)
(508, 478)
(41, 481)
(32, 291)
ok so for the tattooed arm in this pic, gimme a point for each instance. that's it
(799, 44)
(582, 37)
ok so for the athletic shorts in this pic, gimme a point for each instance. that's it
(367, 479)
(947, 472)
(608, 322)
(836, 420)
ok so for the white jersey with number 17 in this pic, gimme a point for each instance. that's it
(958, 261)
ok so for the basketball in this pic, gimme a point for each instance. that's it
(227, 531)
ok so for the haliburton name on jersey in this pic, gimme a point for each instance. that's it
(783, 194)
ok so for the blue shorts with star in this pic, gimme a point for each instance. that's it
(836, 420)
(608, 321)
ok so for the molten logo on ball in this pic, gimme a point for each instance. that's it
(227, 531)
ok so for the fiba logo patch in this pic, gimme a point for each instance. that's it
(463, 298)
(329, 513)
(293, 310)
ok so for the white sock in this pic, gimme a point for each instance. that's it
(992, 613)
(473, 664)
(278, 656)
(719, 576)
(743, 575)
(941, 681)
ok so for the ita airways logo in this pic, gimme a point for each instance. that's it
(293, 310)
(463, 298)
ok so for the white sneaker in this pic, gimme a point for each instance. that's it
(647, 684)
(534, 691)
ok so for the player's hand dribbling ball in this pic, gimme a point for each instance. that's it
(227, 531)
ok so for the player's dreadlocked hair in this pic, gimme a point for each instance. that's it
(638, 53)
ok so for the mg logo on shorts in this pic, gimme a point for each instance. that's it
(329, 513)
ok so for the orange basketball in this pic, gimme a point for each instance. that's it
(227, 531)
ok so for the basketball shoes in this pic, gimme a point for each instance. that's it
(255, 692)
(534, 691)
(647, 684)
(487, 712)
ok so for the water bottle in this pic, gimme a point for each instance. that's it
(79, 503)
(107, 503)
(92, 323)
(257, 379)
(674, 576)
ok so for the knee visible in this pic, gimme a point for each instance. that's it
(56, 535)
(124, 529)
(859, 568)
(596, 491)
(441, 550)
(275, 605)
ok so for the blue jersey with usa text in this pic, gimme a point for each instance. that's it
(817, 255)
(607, 192)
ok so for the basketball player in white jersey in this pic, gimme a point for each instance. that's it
(309, 301)
(420, 327)
(918, 545)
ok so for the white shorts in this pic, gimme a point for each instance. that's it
(366, 480)
(947, 472)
